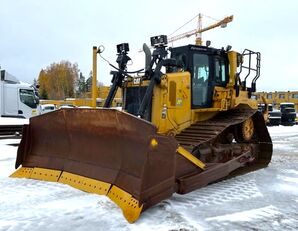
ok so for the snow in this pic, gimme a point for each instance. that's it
(7, 158)
(13, 121)
(267, 211)
(281, 131)
(266, 199)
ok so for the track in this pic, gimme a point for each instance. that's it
(219, 145)
(207, 131)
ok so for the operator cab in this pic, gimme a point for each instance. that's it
(208, 67)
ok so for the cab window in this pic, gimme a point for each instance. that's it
(220, 74)
(27, 97)
(200, 80)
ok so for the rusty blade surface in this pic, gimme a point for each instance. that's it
(104, 144)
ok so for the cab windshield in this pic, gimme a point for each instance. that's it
(28, 97)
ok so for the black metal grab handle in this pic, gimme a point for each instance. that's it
(154, 75)
(249, 53)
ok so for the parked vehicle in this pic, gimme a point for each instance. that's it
(17, 99)
(274, 117)
(67, 106)
(45, 108)
(84, 107)
(288, 114)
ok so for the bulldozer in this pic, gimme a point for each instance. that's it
(188, 120)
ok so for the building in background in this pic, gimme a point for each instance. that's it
(278, 97)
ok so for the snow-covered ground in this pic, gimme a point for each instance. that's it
(13, 121)
(262, 200)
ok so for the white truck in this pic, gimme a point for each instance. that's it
(17, 99)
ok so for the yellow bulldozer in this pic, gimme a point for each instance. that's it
(188, 120)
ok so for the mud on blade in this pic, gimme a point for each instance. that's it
(101, 151)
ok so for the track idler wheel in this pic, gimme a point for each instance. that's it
(244, 132)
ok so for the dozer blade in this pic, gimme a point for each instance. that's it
(103, 151)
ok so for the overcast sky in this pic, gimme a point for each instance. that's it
(36, 33)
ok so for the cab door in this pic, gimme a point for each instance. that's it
(201, 81)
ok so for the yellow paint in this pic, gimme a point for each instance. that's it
(131, 207)
(248, 129)
(153, 143)
(171, 105)
(84, 183)
(45, 174)
(191, 157)
(204, 114)
(243, 99)
(22, 172)
(232, 56)
(222, 98)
